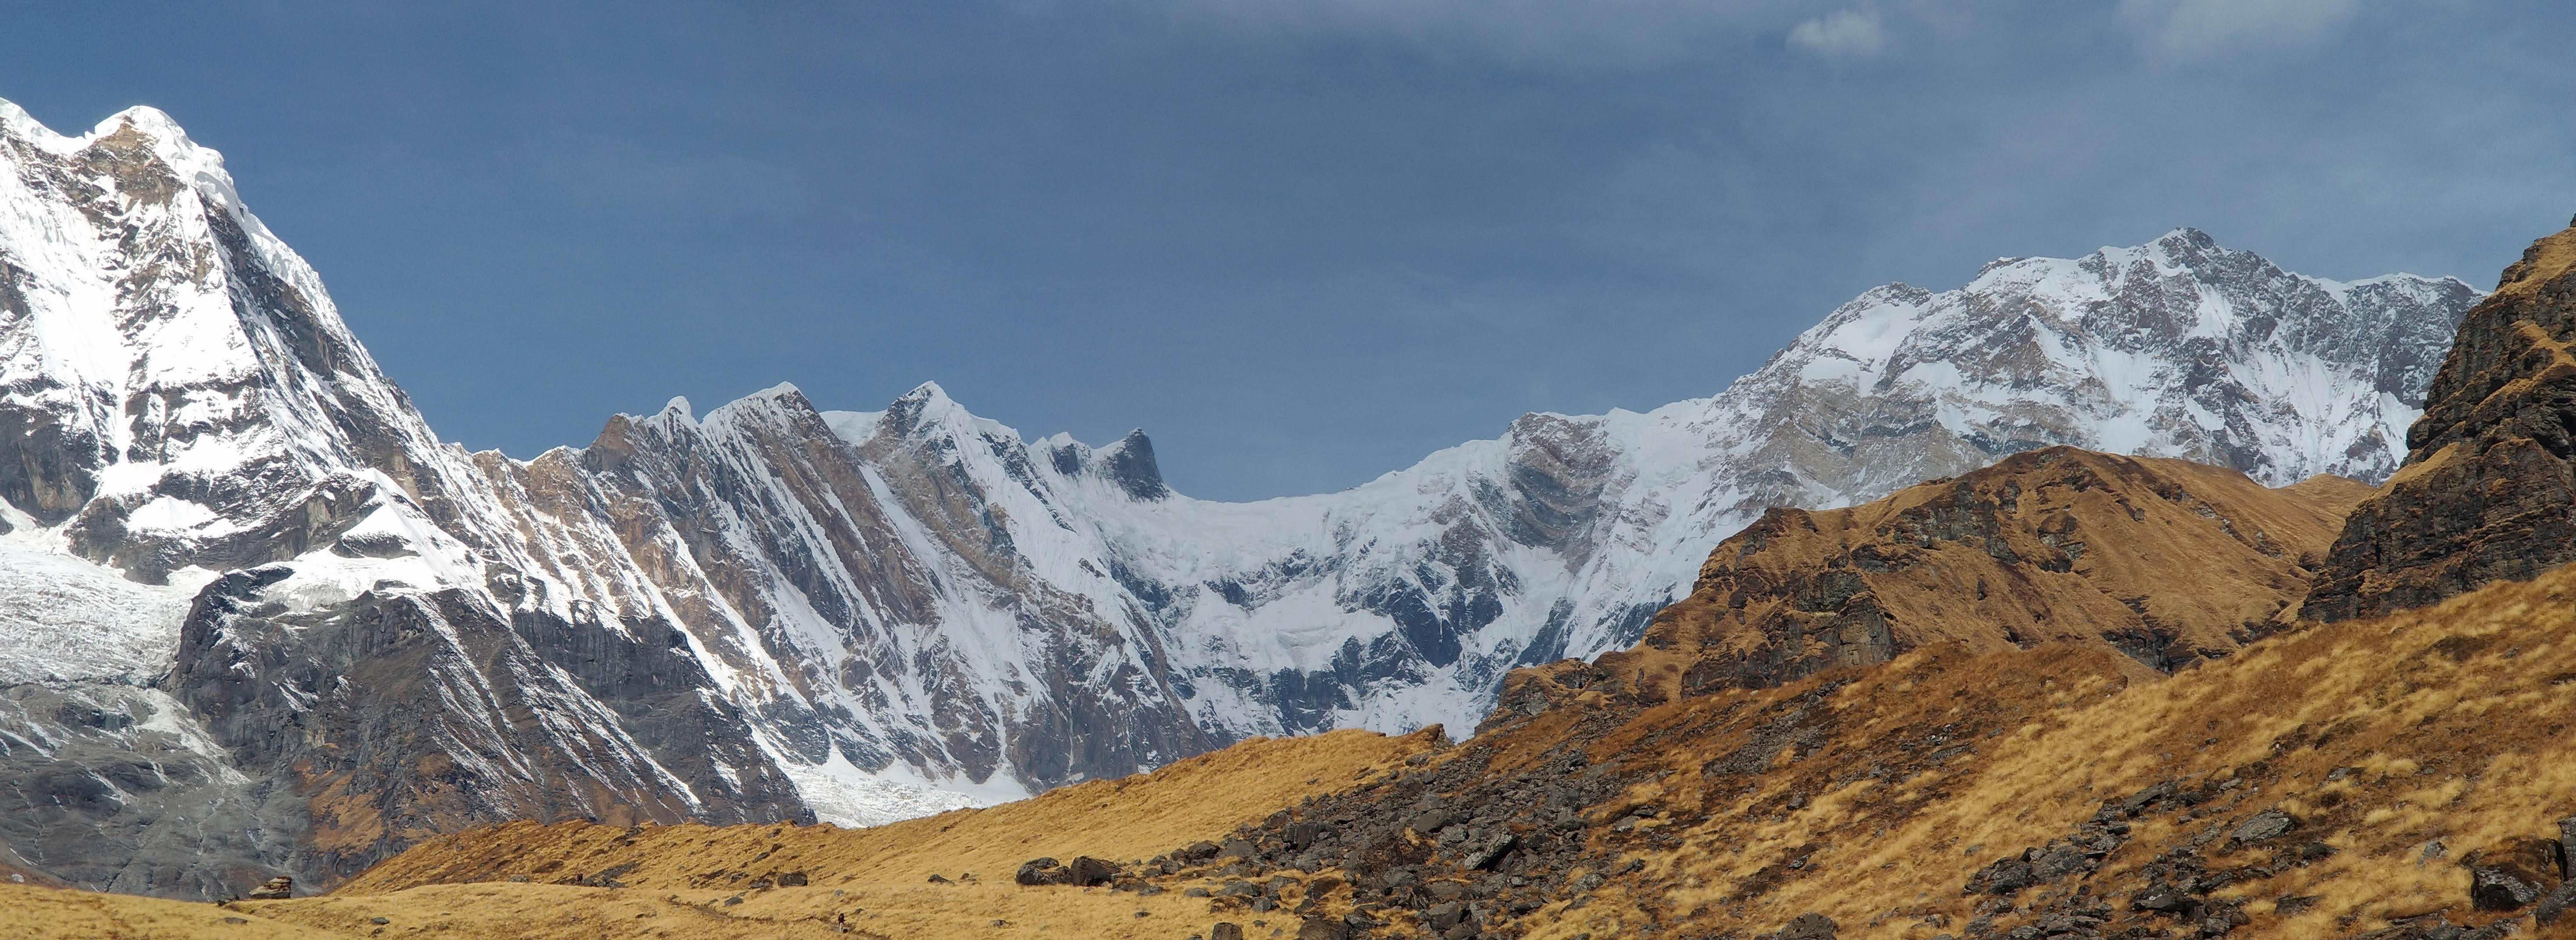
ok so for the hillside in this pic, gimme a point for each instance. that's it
(2317, 784)
(2046, 546)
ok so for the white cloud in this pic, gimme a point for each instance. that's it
(2187, 29)
(1850, 34)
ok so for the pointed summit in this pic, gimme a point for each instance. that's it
(1130, 464)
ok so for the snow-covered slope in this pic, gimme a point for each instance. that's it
(210, 486)
(232, 546)
(1403, 601)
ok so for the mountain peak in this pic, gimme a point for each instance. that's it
(2188, 235)
(1130, 464)
(147, 120)
(167, 139)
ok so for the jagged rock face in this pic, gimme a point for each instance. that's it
(182, 401)
(2489, 488)
(214, 496)
(2056, 545)
(887, 591)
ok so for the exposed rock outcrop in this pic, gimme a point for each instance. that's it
(2489, 487)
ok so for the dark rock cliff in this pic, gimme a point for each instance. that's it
(2488, 491)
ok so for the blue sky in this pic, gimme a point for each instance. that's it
(1300, 242)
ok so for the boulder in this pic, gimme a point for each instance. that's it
(2165, 899)
(2554, 904)
(1808, 926)
(1489, 853)
(2265, 826)
(2005, 877)
(1444, 915)
(1302, 835)
(1323, 928)
(1043, 871)
(2511, 876)
(279, 888)
(1226, 930)
(1087, 871)
(2567, 848)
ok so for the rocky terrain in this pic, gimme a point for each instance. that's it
(2392, 778)
(255, 617)
(2055, 545)
(1873, 754)
(2489, 490)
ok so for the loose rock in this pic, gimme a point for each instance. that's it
(279, 888)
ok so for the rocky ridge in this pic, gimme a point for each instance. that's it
(2489, 488)
(2047, 546)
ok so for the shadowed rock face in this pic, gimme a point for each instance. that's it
(400, 715)
(2489, 488)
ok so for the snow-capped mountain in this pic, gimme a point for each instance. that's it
(258, 616)
(244, 588)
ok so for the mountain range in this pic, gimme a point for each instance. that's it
(2067, 696)
(255, 616)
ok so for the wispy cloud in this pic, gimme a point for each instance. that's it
(2192, 29)
(1850, 34)
(1533, 32)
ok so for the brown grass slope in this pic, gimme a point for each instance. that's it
(2059, 544)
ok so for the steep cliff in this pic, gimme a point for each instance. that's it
(2489, 488)
(259, 617)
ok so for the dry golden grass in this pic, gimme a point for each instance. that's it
(1127, 819)
(873, 882)
(2455, 722)
(508, 911)
(2547, 260)
(30, 913)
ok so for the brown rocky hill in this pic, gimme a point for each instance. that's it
(2489, 486)
(2051, 545)
(2393, 778)
(2328, 782)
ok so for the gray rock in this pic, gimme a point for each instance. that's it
(1087, 871)
(2554, 904)
(1042, 871)
(2263, 827)
(1323, 928)
(1808, 926)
